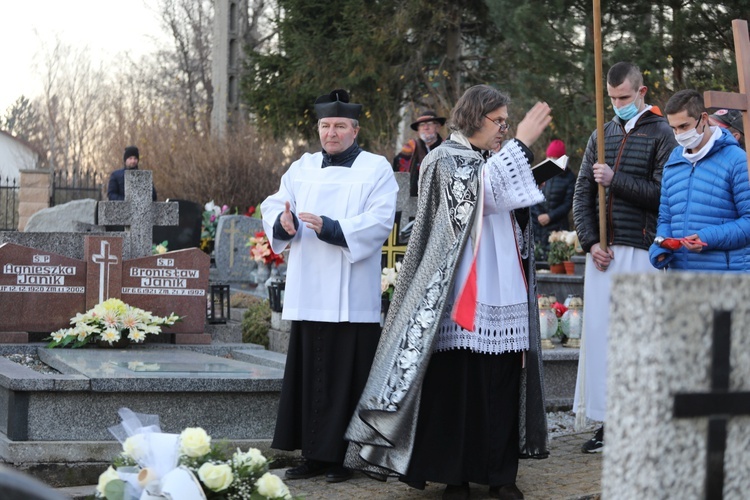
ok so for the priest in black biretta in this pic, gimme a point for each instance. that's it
(334, 209)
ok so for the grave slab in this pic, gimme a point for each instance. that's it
(661, 341)
(39, 290)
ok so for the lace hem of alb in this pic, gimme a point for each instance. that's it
(498, 329)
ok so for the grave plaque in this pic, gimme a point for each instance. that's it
(187, 233)
(171, 282)
(39, 290)
(233, 261)
(104, 269)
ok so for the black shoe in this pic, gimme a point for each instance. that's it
(338, 474)
(596, 443)
(310, 468)
(506, 492)
(456, 492)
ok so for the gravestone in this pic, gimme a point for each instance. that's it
(233, 260)
(39, 290)
(138, 212)
(171, 282)
(187, 232)
(63, 218)
(678, 379)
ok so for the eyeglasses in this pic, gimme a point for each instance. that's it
(500, 124)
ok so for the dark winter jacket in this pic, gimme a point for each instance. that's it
(558, 199)
(632, 199)
(710, 199)
(116, 187)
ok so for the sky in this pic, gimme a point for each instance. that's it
(108, 28)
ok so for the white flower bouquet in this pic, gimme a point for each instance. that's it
(186, 466)
(562, 246)
(109, 321)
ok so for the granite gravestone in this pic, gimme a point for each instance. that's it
(187, 233)
(394, 247)
(233, 260)
(138, 212)
(663, 340)
(171, 282)
(39, 290)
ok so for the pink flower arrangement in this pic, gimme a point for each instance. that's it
(260, 250)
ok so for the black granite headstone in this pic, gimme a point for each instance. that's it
(187, 234)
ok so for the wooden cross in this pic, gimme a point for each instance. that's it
(719, 405)
(731, 100)
(139, 212)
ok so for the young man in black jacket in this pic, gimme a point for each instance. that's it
(637, 143)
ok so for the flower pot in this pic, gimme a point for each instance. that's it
(570, 267)
(262, 274)
(557, 268)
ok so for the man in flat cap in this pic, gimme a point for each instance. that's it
(334, 209)
(730, 119)
(427, 126)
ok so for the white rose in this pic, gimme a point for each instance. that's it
(253, 458)
(383, 283)
(271, 486)
(135, 447)
(195, 442)
(106, 476)
(390, 275)
(216, 477)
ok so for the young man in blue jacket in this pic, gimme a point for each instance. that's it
(705, 197)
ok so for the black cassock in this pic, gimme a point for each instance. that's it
(327, 366)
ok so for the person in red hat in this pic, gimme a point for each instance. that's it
(427, 126)
(552, 213)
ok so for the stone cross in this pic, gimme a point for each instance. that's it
(718, 405)
(731, 100)
(138, 212)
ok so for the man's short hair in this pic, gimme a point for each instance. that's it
(355, 123)
(622, 71)
(469, 113)
(686, 100)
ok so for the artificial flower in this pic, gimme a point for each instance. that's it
(104, 478)
(109, 321)
(216, 477)
(261, 252)
(270, 486)
(195, 442)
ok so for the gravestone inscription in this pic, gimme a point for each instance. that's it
(171, 282)
(39, 290)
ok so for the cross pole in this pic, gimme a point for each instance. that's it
(730, 100)
(719, 405)
(600, 119)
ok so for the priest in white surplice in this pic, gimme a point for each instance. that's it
(455, 393)
(335, 209)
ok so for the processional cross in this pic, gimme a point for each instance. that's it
(731, 100)
(718, 405)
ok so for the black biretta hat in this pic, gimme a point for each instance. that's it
(336, 104)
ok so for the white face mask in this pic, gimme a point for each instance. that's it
(691, 138)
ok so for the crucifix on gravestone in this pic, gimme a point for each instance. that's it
(719, 405)
(105, 260)
(138, 212)
(730, 100)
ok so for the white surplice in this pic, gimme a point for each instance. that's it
(327, 282)
(501, 319)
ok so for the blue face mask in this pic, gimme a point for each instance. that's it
(628, 111)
